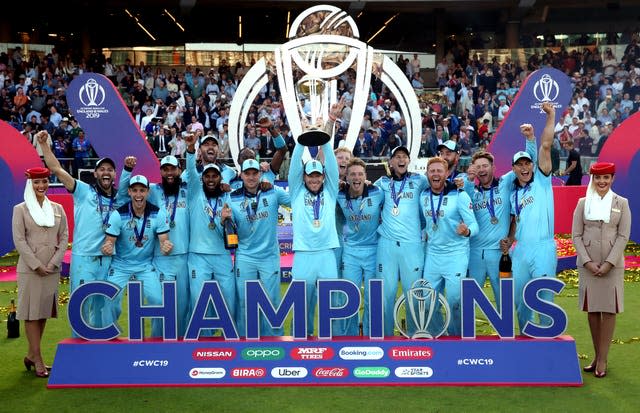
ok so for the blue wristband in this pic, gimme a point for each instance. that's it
(279, 142)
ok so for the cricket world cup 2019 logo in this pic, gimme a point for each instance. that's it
(545, 89)
(92, 96)
(323, 47)
(426, 311)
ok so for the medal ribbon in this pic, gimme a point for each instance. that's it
(392, 186)
(139, 235)
(251, 212)
(213, 209)
(105, 218)
(518, 207)
(359, 215)
(490, 207)
(175, 206)
(434, 213)
(316, 208)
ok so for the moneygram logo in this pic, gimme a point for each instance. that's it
(371, 372)
(289, 372)
(410, 353)
(312, 353)
(413, 371)
(361, 353)
(248, 372)
(263, 353)
(330, 372)
(213, 354)
(207, 373)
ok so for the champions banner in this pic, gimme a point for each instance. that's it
(544, 85)
(108, 124)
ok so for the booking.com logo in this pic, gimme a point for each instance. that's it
(263, 353)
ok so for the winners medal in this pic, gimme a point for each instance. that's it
(139, 244)
(172, 224)
(395, 211)
(494, 220)
(316, 223)
(212, 225)
(211, 211)
(490, 206)
(435, 213)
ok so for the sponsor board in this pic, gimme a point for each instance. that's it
(248, 372)
(330, 372)
(410, 353)
(371, 372)
(207, 373)
(214, 354)
(361, 353)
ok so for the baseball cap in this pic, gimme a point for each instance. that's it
(400, 149)
(210, 166)
(250, 164)
(107, 160)
(313, 166)
(519, 155)
(451, 145)
(205, 138)
(169, 160)
(139, 179)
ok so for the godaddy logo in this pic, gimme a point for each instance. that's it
(371, 372)
(263, 353)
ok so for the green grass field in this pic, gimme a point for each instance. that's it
(21, 391)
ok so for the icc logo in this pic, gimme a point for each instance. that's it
(546, 89)
(426, 311)
(91, 93)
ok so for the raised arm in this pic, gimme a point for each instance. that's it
(544, 157)
(53, 163)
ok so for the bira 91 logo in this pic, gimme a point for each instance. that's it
(213, 354)
(330, 372)
(248, 372)
(411, 353)
(312, 353)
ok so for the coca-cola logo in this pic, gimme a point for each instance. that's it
(330, 372)
(312, 353)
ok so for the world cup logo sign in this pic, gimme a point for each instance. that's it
(91, 93)
(545, 90)
(426, 312)
(324, 46)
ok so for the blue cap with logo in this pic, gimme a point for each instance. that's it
(211, 166)
(250, 164)
(451, 145)
(313, 166)
(105, 160)
(169, 160)
(520, 155)
(139, 179)
(205, 138)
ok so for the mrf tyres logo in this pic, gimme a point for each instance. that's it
(263, 353)
(312, 353)
(92, 96)
(361, 353)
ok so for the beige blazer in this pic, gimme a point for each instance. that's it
(39, 246)
(599, 242)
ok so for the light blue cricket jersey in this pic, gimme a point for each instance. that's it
(362, 216)
(175, 207)
(123, 224)
(92, 209)
(236, 182)
(205, 230)
(256, 216)
(306, 236)
(535, 208)
(449, 208)
(405, 226)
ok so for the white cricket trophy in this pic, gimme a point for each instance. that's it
(324, 46)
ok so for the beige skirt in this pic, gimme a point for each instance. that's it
(601, 294)
(37, 296)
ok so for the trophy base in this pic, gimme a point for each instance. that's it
(314, 137)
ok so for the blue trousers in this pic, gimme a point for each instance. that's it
(174, 268)
(85, 269)
(268, 272)
(396, 259)
(532, 261)
(445, 274)
(483, 264)
(359, 266)
(311, 266)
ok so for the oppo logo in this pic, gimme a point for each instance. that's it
(213, 354)
(289, 372)
(312, 353)
(263, 353)
(411, 353)
(330, 372)
(207, 373)
(248, 372)
(413, 371)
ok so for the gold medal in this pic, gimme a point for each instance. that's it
(316, 223)
(212, 225)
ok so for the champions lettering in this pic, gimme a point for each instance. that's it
(258, 302)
